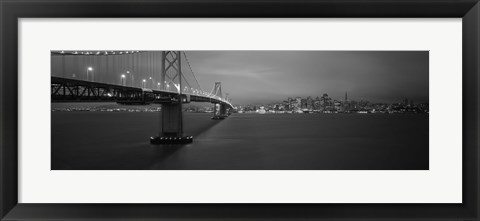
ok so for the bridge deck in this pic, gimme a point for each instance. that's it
(73, 90)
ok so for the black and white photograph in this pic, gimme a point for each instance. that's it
(239, 110)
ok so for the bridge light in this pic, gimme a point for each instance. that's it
(128, 72)
(123, 76)
(90, 68)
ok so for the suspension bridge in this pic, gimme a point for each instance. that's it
(136, 78)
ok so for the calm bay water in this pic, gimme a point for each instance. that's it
(120, 141)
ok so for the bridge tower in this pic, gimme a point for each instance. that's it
(219, 109)
(171, 114)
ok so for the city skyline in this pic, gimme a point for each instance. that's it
(326, 104)
(341, 99)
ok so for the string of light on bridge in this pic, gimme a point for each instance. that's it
(139, 69)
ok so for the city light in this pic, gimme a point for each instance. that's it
(327, 105)
(123, 80)
(131, 78)
(151, 79)
(89, 69)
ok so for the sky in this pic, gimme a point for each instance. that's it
(261, 77)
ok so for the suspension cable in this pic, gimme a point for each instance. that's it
(193, 73)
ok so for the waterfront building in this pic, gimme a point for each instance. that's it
(317, 104)
(303, 103)
(309, 103)
(298, 103)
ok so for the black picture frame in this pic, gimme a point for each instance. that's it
(12, 10)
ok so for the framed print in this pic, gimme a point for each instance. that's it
(321, 110)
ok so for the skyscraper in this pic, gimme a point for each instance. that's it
(346, 103)
(298, 103)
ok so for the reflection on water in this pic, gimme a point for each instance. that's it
(120, 141)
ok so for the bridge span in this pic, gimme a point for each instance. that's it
(73, 90)
(169, 66)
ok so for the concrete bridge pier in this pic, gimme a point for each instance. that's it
(172, 126)
(172, 121)
(223, 110)
(219, 111)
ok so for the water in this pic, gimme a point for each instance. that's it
(120, 141)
